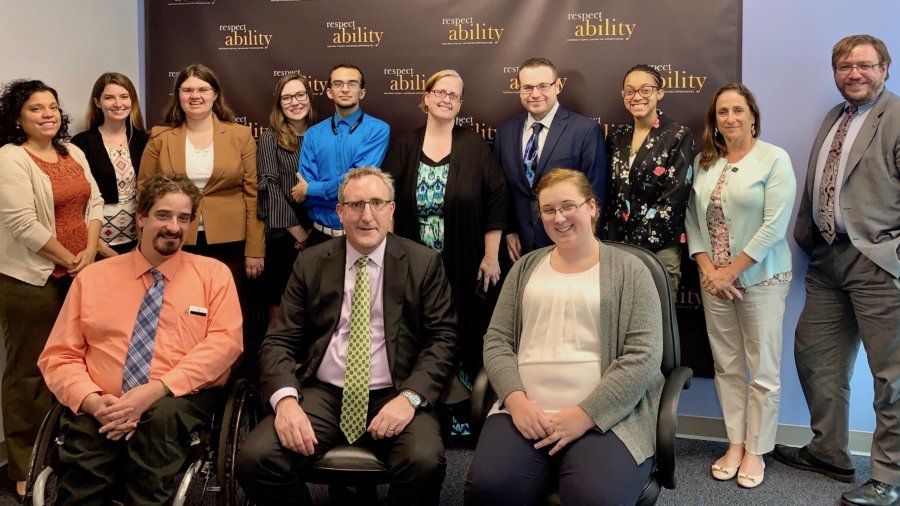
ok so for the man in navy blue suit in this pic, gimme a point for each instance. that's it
(544, 137)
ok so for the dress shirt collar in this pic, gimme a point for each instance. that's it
(167, 268)
(349, 120)
(865, 107)
(376, 257)
(548, 119)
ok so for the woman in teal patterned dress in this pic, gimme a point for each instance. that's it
(451, 196)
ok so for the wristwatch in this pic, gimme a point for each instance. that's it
(414, 399)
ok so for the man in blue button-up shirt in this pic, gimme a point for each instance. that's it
(346, 140)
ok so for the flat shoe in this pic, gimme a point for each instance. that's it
(751, 480)
(723, 473)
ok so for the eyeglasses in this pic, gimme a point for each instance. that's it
(440, 94)
(353, 85)
(567, 209)
(862, 68)
(645, 91)
(301, 96)
(358, 206)
(190, 91)
(528, 89)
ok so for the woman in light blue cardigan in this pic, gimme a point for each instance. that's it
(736, 223)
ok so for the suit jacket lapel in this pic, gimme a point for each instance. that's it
(176, 149)
(221, 151)
(516, 146)
(331, 281)
(827, 123)
(396, 267)
(865, 135)
(556, 130)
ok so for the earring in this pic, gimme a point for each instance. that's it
(753, 130)
(715, 131)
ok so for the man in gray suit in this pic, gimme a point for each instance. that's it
(849, 224)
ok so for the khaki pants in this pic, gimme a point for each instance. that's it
(745, 336)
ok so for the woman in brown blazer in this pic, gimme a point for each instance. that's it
(200, 139)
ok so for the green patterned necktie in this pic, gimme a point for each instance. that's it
(355, 403)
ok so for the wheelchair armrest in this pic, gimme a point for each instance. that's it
(483, 397)
(667, 423)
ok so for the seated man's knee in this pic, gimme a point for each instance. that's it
(161, 416)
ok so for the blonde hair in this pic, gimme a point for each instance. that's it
(560, 175)
(437, 76)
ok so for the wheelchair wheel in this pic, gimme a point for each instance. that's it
(238, 419)
(194, 483)
(41, 479)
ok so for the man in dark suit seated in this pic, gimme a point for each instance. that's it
(362, 348)
(542, 138)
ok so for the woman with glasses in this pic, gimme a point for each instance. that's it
(736, 222)
(199, 138)
(287, 225)
(650, 181)
(113, 144)
(573, 352)
(451, 197)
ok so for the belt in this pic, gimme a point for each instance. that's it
(332, 232)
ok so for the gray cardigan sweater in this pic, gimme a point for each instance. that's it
(626, 400)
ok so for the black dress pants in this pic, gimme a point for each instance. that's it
(273, 475)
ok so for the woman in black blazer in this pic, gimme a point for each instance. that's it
(113, 144)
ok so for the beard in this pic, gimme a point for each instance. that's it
(167, 244)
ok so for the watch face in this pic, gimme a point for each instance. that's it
(414, 399)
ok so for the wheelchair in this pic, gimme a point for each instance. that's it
(208, 473)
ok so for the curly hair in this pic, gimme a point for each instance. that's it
(12, 99)
(159, 185)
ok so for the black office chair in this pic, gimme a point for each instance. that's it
(677, 379)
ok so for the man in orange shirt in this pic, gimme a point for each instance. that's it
(139, 344)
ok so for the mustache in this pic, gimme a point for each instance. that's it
(167, 235)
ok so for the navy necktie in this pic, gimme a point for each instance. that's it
(531, 152)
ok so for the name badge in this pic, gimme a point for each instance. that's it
(197, 310)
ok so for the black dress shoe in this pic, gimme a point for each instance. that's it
(800, 458)
(873, 493)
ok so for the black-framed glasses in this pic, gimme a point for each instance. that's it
(440, 94)
(861, 67)
(567, 209)
(528, 89)
(353, 85)
(358, 206)
(301, 96)
(644, 91)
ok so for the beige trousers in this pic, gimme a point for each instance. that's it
(745, 339)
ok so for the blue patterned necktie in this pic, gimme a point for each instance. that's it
(140, 350)
(531, 152)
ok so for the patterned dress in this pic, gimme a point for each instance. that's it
(119, 225)
(430, 187)
(718, 232)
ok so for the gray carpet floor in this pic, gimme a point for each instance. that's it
(782, 486)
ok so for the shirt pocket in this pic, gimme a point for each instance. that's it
(191, 330)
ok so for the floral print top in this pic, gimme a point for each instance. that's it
(718, 232)
(647, 198)
(430, 188)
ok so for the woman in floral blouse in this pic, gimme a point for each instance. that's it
(651, 173)
(736, 224)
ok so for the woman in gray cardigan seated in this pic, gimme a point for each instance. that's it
(573, 351)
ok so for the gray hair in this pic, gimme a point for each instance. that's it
(361, 172)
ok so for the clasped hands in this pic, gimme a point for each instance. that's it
(119, 416)
(295, 432)
(720, 282)
(557, 429)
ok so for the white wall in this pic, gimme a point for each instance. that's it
(68, 44)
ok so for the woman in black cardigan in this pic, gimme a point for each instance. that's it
(451, 196)
(113, 144)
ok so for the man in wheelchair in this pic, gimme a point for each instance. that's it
(364, 345)
(139, 344)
